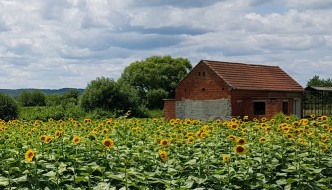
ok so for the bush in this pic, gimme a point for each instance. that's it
(32, 98)
(8, 107)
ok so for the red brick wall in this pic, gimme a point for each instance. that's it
(169, 109)
(242, 102)
(201, 84)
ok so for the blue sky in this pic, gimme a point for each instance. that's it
(68, 43)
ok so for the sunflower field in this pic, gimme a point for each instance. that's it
(131, 153)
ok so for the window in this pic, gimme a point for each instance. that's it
(259, 107)
(285, 107)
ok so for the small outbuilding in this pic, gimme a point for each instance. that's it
(221, 90)
(317, 100)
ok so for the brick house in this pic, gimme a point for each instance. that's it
(221, 90)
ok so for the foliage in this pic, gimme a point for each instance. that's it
(154, 154)
(8, 107)
(31, 98)
(43, 113)
(156, 77)
(316, 81)
(109, 95)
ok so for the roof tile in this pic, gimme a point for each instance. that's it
(254, 77)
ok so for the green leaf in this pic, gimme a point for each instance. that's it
(191, 162)
(20, 179)
(3, 181)
(50, 174)
(102, 185)
(281, 182)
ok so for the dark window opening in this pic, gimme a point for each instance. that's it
(203, 89)
(222, 88)
(199, 73)
(203, 73)
(285, 108)
(259, 108)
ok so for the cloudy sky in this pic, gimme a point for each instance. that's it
(67, 43)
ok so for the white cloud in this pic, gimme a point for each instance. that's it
(68, 43)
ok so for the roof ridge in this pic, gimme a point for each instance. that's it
(249, 64)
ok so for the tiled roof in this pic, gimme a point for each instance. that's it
(254, 77)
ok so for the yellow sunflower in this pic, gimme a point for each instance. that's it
(105, 131)
(162, 155)
(241, 141)
(48, 139)
(198, 134)
(226, 158)
(57, 134)
(231, 137)
(164, 142)
(191, 140)
(29, 155)
(108, 143)
(76, 140)
(262, 139)
(234, 126)
(42, 138)
(28, 134)
(240, 149)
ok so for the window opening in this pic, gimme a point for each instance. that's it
(259, 107)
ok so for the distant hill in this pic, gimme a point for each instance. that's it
(16, 92)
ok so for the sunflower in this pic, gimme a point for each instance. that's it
(198, 134)
(29, 155)
(109, 121)
(105, 131)
(76, 140)
(191, 140)
(48, 139)
(231, 137)
(42, 138)
(28, 134)
(162, 155)
(57, 134)
(218, 121)
(108, 143)
(290, 136)
(312, 116)
(164, 142)
(241, 141)
(234, 126)
(324, 118)
(324, 147)
(189, 134)
(240, 149)
(262, 139)
(226, 158)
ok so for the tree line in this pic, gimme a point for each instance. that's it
(141, 89)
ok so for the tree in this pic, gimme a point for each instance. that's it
(8, 107)
(70, 97)
(316, 81)
(107, 94)
(32, 98)
(156, 77)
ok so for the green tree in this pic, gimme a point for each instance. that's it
(107, 94)
(70, 97)
(316, 81)
(32, 98)
(8, 107)
(156, 78)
